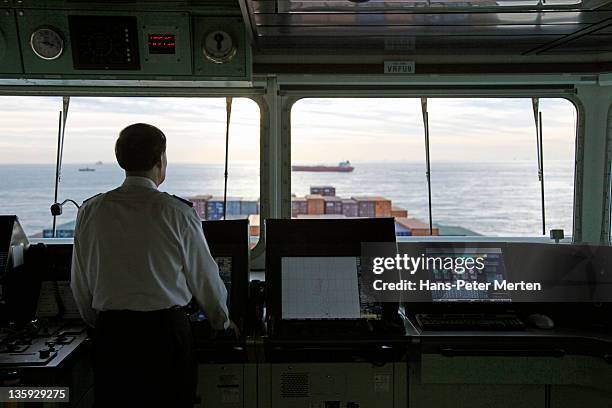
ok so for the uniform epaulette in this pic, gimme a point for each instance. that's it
(93, 196)
(189, 203)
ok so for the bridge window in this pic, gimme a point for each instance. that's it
(483, 163)
(195, 131)
(28, 145)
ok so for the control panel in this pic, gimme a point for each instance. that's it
(95, 44)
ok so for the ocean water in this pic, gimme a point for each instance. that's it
(497, 199)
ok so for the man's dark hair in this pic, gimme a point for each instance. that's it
(140, 147)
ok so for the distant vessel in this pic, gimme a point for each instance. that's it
(86, 169)
(343, 167)
(99, 163)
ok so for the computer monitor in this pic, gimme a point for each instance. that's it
(567, 272)
(325, 288)
(13, 243)
(225, 271)
(322, 255)
(228, 241)
(467, 274)
(15, 281)
(225, 264)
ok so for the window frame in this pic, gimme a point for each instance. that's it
(294, 94)
(606, 227)
(255, 94)
(276, 94)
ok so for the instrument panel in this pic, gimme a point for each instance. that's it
(104, 42)
(123, 45)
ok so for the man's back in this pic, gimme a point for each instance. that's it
(138, 247)
(138, 254)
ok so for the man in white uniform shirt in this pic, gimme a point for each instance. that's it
(139, 256)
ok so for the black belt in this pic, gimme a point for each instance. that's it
(175, 307)
(128, 312)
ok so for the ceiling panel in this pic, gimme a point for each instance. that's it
(524, 28)
(483, 18)
(425, 45)
(392, 30)
(389, 6)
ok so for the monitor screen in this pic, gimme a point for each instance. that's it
(13, 243)
(455, 277)
(225, 271)
(322, 288)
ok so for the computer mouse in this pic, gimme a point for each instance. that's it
(541, 321)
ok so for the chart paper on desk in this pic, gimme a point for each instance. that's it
(320, 288)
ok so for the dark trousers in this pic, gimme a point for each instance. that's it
(144, 359)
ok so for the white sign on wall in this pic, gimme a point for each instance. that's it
(399, 67)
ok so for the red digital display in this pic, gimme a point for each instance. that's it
(162, 44)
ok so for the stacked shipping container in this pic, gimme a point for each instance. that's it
(415, 227)
(366, 207)
(211, 208)
(214, 207)
(199, 204)
(333, 205)
(298, 206)
(316, 204)
(350, 208)
(325, 191)
(398, 212)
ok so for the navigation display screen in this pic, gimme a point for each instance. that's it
(225, 271)
(486, 269)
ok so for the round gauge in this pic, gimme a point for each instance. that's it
(47, 43)
(218, 46)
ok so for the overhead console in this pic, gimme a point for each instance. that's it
(88, 44)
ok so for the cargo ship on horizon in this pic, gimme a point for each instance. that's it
(342, 167)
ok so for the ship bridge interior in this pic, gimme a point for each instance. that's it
(322, 143)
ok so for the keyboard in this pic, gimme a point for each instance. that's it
(476, 322)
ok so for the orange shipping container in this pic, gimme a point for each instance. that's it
(398, 212)
(254, 229)
(417, 228)
(382, 208)
(316, 204)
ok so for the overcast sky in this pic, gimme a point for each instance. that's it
(324, 131)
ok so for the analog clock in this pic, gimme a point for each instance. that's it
(47, 43)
